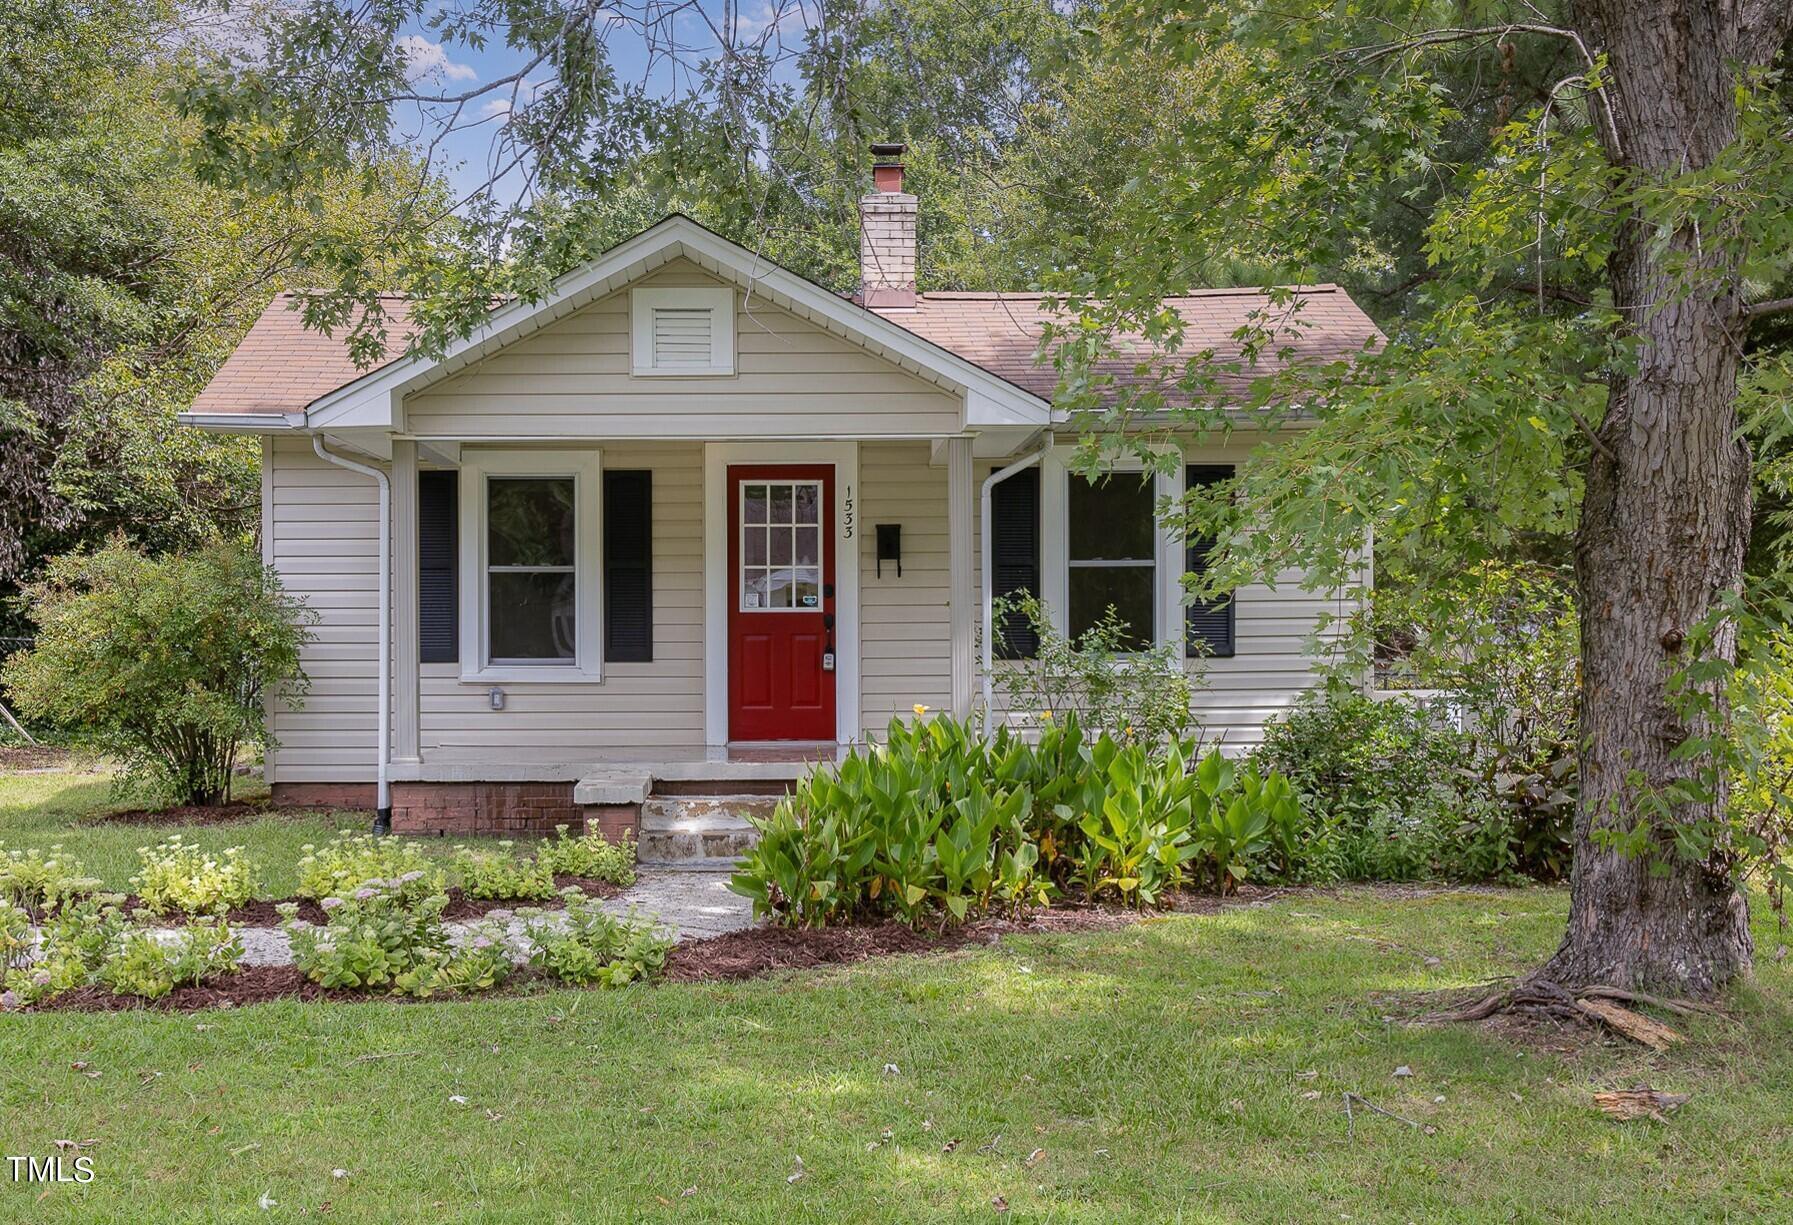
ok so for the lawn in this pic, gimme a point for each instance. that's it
(43, 808)
(1160, 1072)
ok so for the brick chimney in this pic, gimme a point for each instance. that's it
(887, 235)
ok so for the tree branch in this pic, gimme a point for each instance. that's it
(1762, 310)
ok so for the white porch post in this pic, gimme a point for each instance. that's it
(961, 538)
(405, 648)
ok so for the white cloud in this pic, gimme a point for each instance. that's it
(424, 58)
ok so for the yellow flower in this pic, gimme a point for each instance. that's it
(920, 710)
(1046, 716)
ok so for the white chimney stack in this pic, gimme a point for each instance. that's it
(887, 235)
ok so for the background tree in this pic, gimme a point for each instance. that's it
(1568, 358)
(124, 281)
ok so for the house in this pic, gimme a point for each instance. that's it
(691, 521)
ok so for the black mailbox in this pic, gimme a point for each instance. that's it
(890, 547)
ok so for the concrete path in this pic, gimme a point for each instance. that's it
(692, 904)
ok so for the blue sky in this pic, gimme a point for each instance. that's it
(450, 68)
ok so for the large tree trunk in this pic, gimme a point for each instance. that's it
(1666, 514)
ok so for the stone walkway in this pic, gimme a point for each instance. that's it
(692, 904)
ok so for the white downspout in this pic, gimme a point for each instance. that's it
(383, 788)
(990, 482)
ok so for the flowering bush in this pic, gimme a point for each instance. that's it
(348, 860)
(482, 959)
(73, 947)
(592, 857)
(585, 944)
(371, 937)
(141, 963)
(39, 882)
(177, 875)
(501, 873)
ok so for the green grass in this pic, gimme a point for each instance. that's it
(69, 807)
(1161, 1067)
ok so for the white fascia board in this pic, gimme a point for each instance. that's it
(374, 399)
(242, 423)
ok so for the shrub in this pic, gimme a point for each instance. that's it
(585, 944)
(162, 661)
(370, 938)
(351, 859)
(1101, 677)
(935, 821)
(142, 963)
(40, 883)
(177, 875)
(501, 873)
(590, 856)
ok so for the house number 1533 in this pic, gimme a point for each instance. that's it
(846, 515)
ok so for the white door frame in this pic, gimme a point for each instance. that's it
(717, 585)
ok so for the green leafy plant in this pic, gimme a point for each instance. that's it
(480, 960)
(142, 963)
(371, 937)
(584, 944)
(178, 876)
(591, 856)
(502, 873)
(40, 882)
(163, 661)
(350, 859)
(1104, 678)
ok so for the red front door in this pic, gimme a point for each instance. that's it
(781, 610)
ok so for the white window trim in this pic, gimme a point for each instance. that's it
(585, 467)
(719, 301)
(1055, 543)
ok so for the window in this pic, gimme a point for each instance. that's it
(532, 605)
(682, 331)
(530, 537)
(781, 541)
(1111, 558)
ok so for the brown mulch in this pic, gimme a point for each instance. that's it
(36, 757)
(189, 814)
(264, 912)
(754, 951)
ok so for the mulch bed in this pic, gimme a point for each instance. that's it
(738, 955)
(264, 912)
(192, 814)
(754, 951)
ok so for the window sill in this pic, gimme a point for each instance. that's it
(523, 674)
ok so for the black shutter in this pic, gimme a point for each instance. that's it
(1015, 556)
(628, 566)
(438, 544)
(1206, 621)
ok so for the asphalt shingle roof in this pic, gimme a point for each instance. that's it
(280, 366)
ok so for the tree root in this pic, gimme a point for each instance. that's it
(1594, 1004)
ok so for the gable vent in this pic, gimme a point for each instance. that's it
(683, 337)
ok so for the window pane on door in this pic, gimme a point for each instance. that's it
(529, 521)
(1113, 520)
(1129, 589)
(532, 616)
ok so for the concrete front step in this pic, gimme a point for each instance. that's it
(699, 831)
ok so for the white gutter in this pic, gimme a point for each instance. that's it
(989, 600)
(383, 788)
(243, 423)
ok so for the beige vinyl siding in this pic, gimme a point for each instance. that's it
(1271, 666)
(659, 704)
(572, 380)
(322, 535)
(904, 623)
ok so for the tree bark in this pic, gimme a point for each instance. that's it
(1666, 514)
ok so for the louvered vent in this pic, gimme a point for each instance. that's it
(683, 337)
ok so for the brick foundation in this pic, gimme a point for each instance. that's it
(322, 795)
(614, 821)
(506, 809)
